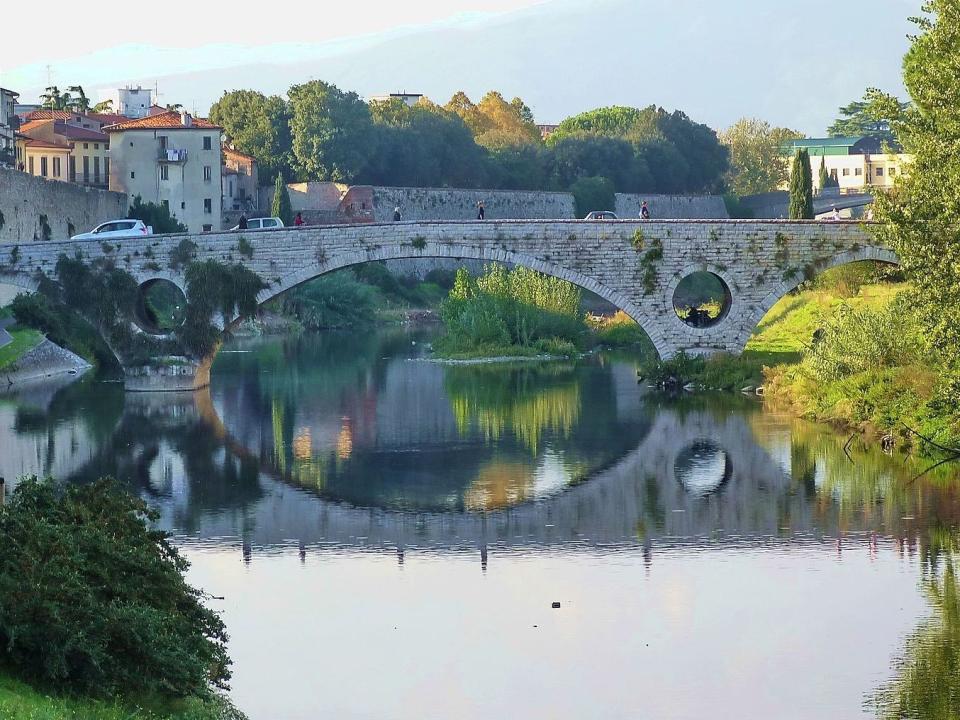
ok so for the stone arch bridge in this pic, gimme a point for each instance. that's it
(635, 265)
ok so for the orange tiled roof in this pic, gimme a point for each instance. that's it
(43, 144)
(162, 121)
(107, 118)
(49, 115)
(26, 127)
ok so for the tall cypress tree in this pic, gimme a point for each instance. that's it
(281, 202)
(823, 177)
(801, 187)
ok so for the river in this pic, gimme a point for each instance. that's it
(388, 537)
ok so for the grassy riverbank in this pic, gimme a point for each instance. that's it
(19, 701)
(24, 340)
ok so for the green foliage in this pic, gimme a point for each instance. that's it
(216, 288)
(244, 247)
(257, 125)
(183, 254)
(92, 599)
(801, 188)
(854, 341)
(919, 218)
(419, 242)
(19, 701)
(24, 339)
(721, 371)
(509, 310)
(823, 179)
(757, 164)
(868, 118)
(63, 327)
(157, 216)
(331, 301)
(280, 206)
(648, 264)
(592, 193)
(638, 240)
(332, 131)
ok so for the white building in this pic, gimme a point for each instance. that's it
(9, 123)
(408, 99)
(171, 159)
(132, 102)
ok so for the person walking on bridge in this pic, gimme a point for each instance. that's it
(298, 220)
(481, 210)
(396, 214)
(644, 211)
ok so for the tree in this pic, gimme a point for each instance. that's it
(155, 215)
(105, 106)
(868, 118)
(280, 207)
(53, 99)
(919, 218)
(592, 193)
(757, 163)
(801, 188)
(332, 132)
(93, 599)
(78, 99)
(494, 122)
(823, 178)
(259, 126)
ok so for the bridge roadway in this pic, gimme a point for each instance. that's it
(636, 265)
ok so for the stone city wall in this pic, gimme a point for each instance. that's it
(35, 209)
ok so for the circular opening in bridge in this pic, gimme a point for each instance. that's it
(161, 307)
(702, 299)
(702, 468)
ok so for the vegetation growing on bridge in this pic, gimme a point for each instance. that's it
(91, 310)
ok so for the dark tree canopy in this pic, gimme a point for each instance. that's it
(259, 126)
(801, 188)
(867, 118)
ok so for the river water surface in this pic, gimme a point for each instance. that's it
(390, 537)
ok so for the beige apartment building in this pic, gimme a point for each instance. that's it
(856, 163)
(41, 146)
(241, 180)
(172, 159)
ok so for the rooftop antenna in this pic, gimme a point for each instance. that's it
(49, 76)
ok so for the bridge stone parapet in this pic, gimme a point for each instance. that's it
(636, 265)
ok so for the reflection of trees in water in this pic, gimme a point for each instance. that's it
(527, 401)
(868, 488)
(926, 683)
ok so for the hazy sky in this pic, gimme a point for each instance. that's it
(790, 63)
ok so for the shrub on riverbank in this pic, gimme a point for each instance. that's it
(93, 601)
(516, 312)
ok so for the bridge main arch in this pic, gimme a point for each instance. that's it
(321, 265)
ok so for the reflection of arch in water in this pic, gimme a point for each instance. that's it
(703, 468)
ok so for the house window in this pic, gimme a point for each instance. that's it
(86, 146)
(86, 169)
(846, 172)
(106, 171)
(207, 228)
(231, 188)
(131, 143)
(30, 164)
(858, 172)
(43, 167)
(72, 164)
(96, 170)
(96, 146)
(893, 171)
(183, 206)
(879, 172)
(56, 167)
(164, 172)
(165, 203)
(163, 142)
(207, 173)
(132, 175)
(207, 142)
(207, 206)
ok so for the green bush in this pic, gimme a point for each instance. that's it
(593, 193)
(93, 600)
(332, 301)
(155, 215)
(510, 309)
(855, 341)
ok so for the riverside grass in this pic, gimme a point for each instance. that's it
(19, 701)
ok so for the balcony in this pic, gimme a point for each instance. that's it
(171, 155)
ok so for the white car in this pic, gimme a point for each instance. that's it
(266, 223)
(601, 215)
(116, 229)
